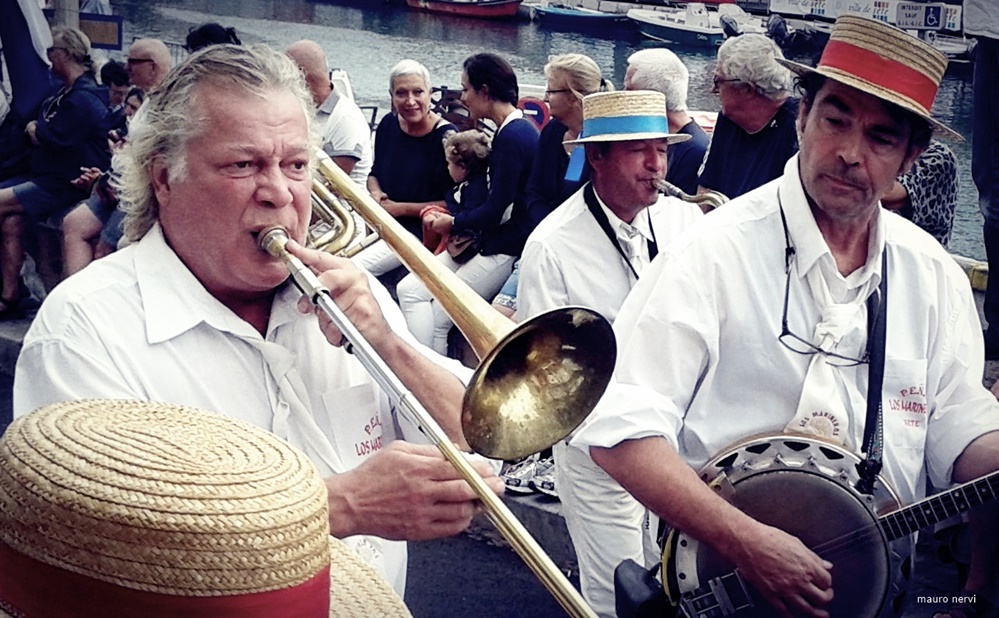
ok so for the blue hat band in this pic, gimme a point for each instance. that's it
(623, 125)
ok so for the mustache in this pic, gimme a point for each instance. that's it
(848, 176)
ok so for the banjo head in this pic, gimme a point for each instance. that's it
(805, 487)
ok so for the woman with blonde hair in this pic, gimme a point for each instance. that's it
(68, 134)
(570, 78)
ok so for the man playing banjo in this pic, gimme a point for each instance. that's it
(766, 318)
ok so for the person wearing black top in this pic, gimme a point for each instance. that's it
(755, 133)
(409, 172)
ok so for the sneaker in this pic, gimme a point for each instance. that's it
(517, 476)
(544, 477)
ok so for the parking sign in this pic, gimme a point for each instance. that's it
(919, 16)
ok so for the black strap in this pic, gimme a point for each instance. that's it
(877, 318)
(598, 213)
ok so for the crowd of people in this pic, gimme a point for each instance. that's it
(766, 315)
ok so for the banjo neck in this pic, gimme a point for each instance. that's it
(936, 508)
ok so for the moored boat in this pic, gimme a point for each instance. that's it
(694, 24)
(575, 17)
(468, 8)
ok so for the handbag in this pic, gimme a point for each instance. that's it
(463, 246)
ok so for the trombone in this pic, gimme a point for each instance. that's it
(535, 383)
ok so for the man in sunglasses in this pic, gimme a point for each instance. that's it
(148, 63)
(776, 314)
(754, 135)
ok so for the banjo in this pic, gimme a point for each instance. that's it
(805, 486)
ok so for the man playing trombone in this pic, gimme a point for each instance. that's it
(194, 312)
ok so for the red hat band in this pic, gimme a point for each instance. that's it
(884, 72)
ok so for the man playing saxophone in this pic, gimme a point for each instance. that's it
(193, 312)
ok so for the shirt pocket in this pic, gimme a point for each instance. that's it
(354, 419)
(905, 410)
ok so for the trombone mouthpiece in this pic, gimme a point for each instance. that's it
(272, 240)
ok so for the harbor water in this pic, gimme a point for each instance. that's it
(367, 37)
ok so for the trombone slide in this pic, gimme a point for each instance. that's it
(273, 241)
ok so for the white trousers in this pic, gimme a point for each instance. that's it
(606, 524)
(377, 259)
(426, 318)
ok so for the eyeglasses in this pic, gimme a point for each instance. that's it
(138, 60)
(798, 345)
(49, 51)
(548, 93)
(716, 81)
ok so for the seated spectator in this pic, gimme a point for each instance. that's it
(148, 63)
(755, 133)
(659, 69)
(343, 130)
(927, 194)
(409, 172)
(490, 92)
(570, 78)
(92, 230)
(468, 162)
(67, 135)
(467, 155)
(114, 77)
(210, 34)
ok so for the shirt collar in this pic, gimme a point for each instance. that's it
(329, 104)
(515, 114)
(175, 301)
(810, 246)
(640, 223)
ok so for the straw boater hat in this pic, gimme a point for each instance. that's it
(884, 61)
(120, 508)
(625, 115)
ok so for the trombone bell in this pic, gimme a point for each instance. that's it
(537, 380)
(538, 383)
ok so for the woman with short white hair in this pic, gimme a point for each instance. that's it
(409, 172)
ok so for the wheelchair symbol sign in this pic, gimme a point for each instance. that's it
(933, 17)
(919, 16)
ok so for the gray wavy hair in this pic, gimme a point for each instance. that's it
(659, 69)
(752, 59)
(170, 118)
(582, 74)
(406, 67)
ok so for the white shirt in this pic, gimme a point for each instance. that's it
(700, 362)
(981, 18)
(568, 259)
(138, 325)
(344, 132)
